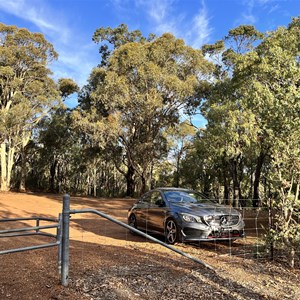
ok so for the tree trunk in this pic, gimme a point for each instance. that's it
(144, 184)
(226, 192)
(7, 159)
(25, 140)
(130, 182)
(152, 181)
(3, 168)
(52, 176)
(95, 180)
(22, 187)
(236, 183)
(177, 175)
(259, 165)
(225, 181)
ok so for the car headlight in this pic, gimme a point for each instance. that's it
(191, 219)
(208, 219)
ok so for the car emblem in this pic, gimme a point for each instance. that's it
(223, 220)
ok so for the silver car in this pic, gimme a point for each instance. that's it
(182, 215)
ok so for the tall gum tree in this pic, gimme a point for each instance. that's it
(228, 116)
(144, 88)
(269, 80)
(26, 91)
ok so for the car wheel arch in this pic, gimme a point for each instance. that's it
(132, 217)
(178, 237)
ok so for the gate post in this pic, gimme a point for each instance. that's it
(65, 240)
(59, 241)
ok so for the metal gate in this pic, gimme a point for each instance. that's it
(36, 230)
(62, 224)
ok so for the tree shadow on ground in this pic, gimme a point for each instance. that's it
(90, 262)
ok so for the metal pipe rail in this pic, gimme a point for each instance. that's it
(62, 236)
(142, 234)
(66, 212)
(16, 232)
(6, 233)
(29, 248)
(28, 228)
(29, 219)
(27, 234)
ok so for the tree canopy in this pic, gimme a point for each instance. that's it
(143, 89)
(26, 90)
(128, 133)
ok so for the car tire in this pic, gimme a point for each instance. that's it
(132, 222)
(172, 232)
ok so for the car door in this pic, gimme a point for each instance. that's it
(141, 211)
(156, 212)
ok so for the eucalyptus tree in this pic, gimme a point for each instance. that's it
(112, 38)
(263, 113)
(67, 87)
(95, 123)
(50, 126)
(200, 168)
(143, 89)
(179, 138)
(228, 116)
(270, 80)
(26, 91)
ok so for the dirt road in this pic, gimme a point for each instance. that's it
(107, 262)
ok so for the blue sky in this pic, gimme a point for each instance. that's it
(70, 24)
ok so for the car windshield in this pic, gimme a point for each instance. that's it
(186, 196)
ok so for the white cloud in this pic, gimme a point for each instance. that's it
(37, 13)
(251, 6)
(159, 12)
(77, 57)
(201, 29)
(76, 64)
(248, 16)
(163, 18)
(273, 8)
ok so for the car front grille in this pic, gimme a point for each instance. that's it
(226, 234)
(223, 220)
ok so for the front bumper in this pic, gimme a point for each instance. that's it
(197, 232)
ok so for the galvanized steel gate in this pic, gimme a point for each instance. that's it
(62, 225)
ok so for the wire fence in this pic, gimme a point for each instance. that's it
(90, 229)
(254, 245)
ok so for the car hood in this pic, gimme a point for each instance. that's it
(203, 209)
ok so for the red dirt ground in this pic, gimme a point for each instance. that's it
(107, 262)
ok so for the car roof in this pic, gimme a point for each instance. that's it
(175, 189)
(172, 189)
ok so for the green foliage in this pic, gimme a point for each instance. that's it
(254, 112)
(26, 90)
(116, 37)
(129, 117)
(179, 139)
(67, 87)
(142, 90)
(243, 37)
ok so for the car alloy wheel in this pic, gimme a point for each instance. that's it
(171, 232)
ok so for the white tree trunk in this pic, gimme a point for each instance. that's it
(95, 180)
(25, 141)
(7, 161)
(3, 168)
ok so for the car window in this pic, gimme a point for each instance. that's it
(173, 196)
(146, 198)
(186, 196)
(156, 198)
